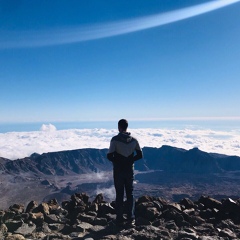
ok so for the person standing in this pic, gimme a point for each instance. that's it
(124, 150)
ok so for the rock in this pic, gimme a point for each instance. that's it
(208, 238)
(171, 225)
(43, 208)
(210, 202)
(8, 215)
(230, 210)
(98, 199)
(206, 214)
(110, 217)
(171, 214)
(67, 229)
(188, 234)
(147, 210)
(3, 231)
(92, 213)
(15, 237)
(24, 217)
(52, 218)
(104, 209)
(194, 220)
(158, 206)
(93, 207)
(2, 213)
(78, 199)
(13, 225)
(56, 226)
(32, 205)
(38, 235)
(82, 227)
(37, 218)
(175, 206)
(26, 229)
(17, 208)
(145, 199)
(100, 221)
(96, 228)
(155, 219)
(140, 221)
(151, 213)
(44, 228)
(151, 232)
(56, 236)
(227, 233)
(54, 207)
(187, 203)
(85, 218)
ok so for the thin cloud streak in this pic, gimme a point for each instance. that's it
(31, 39)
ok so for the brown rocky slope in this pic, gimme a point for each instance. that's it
(156, 218)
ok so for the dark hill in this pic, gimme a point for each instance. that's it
(166, 158)
(61, 163)
(173, 159)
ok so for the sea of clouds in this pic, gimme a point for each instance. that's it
(14, 145)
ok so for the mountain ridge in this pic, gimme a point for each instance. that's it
(81, 161)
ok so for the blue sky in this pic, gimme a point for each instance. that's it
(55, 64)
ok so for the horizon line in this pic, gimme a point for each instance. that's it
(237, 118)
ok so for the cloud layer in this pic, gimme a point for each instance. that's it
(15, 145)
(79, 34)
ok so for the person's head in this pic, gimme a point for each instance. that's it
(122, 125)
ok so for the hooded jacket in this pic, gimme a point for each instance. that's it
(124, 150)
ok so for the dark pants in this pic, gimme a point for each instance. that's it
(123, 180)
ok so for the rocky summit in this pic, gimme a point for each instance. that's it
(156, 218)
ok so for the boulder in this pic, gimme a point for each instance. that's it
(3, 231)
(82, 227)
(145, 199)
(85, 218)
(100, 221)
(229, 205)
(2, 213)
(147, 210)
(37, 218)
(17, 208)
(54, 207)
(171, 214)
(187, 234)
(209, 202)
(32, 205)
(15, 237)
(187, 203)
(56, 226)
(8, 215)
(104, 209)
(227, 233)
(26, 229)
(52, 218)
(43, 208)
(13, 225)
(98, 199)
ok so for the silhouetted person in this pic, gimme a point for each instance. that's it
(124, 150)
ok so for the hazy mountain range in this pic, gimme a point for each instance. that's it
(169, 172)
(81, 161)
